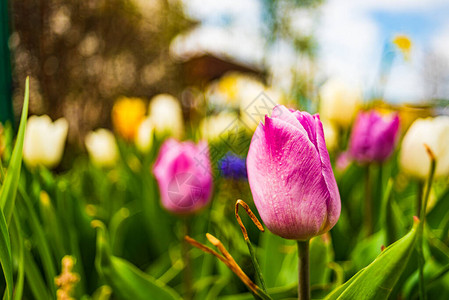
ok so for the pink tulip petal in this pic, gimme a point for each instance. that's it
(288, 187)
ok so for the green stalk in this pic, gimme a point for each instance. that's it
(368, 203)
(256, 265)
(40, 239)
(17, 238)
(420, 233)
(188, 286)
(252, 253)
(419, 198)
(303, 270)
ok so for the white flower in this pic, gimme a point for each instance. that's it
(215, 127)
(434, 132)
(166, 115)
(44, 141)
(144, 138)
(102, 147)
(339, 102)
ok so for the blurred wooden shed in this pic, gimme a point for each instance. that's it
(201, 69)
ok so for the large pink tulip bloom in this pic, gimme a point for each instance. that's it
(183, 172)
(290, 175)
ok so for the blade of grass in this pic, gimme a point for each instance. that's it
(5, 256)
(17, 237)
(9, 188)
(34, 279)
(40, 240)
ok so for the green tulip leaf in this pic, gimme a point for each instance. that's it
(9, 188)
(125, 279)
(378, 279)
(437, 217)
(8, 196)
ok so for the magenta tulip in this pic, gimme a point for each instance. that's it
(373, 137)
(290, 175)
(183, 172)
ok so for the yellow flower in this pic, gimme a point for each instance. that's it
(404, 44)
(144, 137)
(339, 102)
(228, 87)
(127, 114)
(330, 134)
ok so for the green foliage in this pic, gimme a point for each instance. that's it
(377, 280)
(127, 281)
(8, 196)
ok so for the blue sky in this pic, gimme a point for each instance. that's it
(420, 26)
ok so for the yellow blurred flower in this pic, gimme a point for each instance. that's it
(330, 135)
(228, 86)
(127, 114)
(339, 102)
(144, 137)
(404, 44)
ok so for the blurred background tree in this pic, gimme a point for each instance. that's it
(82, 55)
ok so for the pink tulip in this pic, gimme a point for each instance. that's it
(183, 172)
(290, 175)
(373, 137)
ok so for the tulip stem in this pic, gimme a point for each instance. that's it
(187, 261)
(368, 203)
(419, 198)
(303, 270)
(424, 199)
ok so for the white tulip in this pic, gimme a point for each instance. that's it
(144, 138)
(215, 127)
(339, 102)
(102, 147)
(166, 115)
(434, 132)
(44, 141)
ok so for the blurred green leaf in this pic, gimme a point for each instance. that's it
(34, 278)
(321, 254)
(367, 250)
(8, 196)
(5, 256)
(440, 212)
(126, 280)
(288, 291)
(18, 243)
(40, 239)
(273, 256)
(377, 280)
(9, 188)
